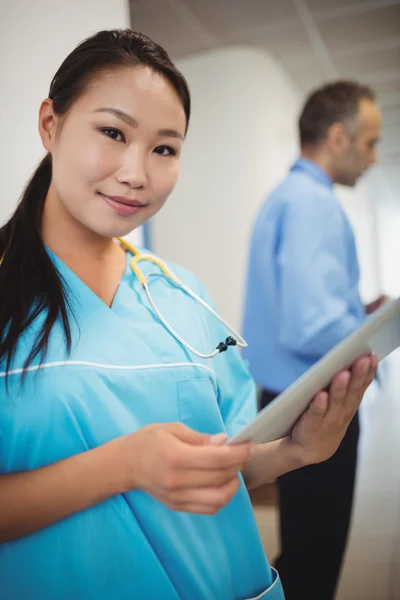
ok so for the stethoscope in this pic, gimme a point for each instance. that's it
(233, 340)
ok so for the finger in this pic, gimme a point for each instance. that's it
(218, 440)
(361, 366)
(210, 457)
(359, 379)
(199, 478)
(371, 371)
(187, 435)
(374, 361)
(319, 405)
(341, 382)
(373, 367)
(338, 388)
(206, 496)
(316, 411)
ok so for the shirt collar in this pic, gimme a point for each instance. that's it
(310, 167)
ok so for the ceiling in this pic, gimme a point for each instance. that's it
(315, 41)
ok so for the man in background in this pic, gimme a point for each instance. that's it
(302, 299)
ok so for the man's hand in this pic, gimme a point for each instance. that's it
(373, 306)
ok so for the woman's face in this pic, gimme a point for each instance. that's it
(116, 152)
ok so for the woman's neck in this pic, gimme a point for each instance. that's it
(96, 260)
(69, 239)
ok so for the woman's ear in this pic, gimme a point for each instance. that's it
(47, 124)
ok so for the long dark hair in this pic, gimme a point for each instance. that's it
(29, 282)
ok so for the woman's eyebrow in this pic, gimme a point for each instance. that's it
(120, 114)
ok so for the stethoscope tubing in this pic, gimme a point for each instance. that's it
(235, 340)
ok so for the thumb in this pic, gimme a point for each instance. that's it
(218, 440)
(187, 435)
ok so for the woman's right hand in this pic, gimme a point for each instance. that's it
(186, 470)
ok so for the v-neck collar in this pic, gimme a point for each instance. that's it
(81, 293)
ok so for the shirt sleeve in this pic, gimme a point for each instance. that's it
(313, 278)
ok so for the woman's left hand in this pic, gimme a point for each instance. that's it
(319, 431)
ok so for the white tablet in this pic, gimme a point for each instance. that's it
(379, 334)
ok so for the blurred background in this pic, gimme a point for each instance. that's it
(249, 64)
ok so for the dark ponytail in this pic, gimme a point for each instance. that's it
(30, 285)
(29, 282)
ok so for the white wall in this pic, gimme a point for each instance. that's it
(388, 223)
(35, 37)
(241, 140)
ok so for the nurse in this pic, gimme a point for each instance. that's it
(114, 479)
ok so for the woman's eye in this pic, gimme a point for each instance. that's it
(165, 151)
(114, 134)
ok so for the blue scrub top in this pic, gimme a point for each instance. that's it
(302, 295)
(126, 371)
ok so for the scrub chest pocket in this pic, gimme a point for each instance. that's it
(198, 405)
